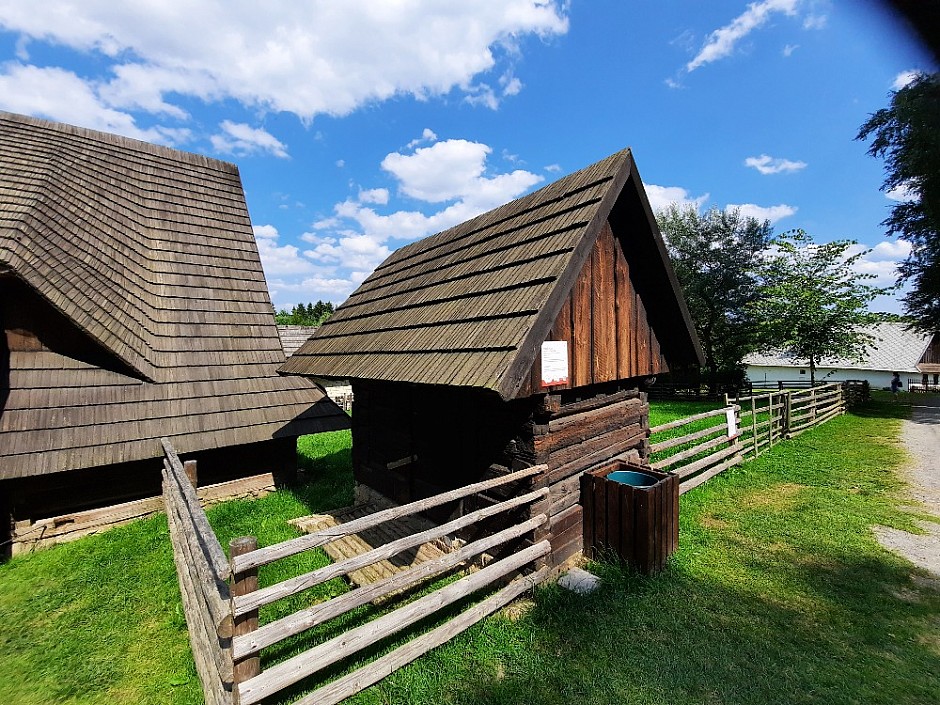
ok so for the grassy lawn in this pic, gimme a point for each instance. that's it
(779, 593)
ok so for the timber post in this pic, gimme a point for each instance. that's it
(785, 430)
(242, 584)
(189, 467)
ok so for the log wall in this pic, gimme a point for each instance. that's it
(573, 434)
(411, 442)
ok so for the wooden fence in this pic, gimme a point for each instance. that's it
(221, 596)
(746, 427)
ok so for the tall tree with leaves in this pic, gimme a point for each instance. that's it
(714, 255)
(907, 136)
(812, 304)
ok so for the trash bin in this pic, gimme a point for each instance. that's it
(632, 512)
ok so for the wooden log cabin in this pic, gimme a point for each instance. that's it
(132, 306)
(518, 337)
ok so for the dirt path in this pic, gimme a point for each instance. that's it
(921, 436)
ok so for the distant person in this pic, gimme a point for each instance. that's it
(896, 385)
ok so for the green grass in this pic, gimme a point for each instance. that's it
(779, 593)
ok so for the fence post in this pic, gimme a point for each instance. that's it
(189, 467)
(242, 584)
(785, 430)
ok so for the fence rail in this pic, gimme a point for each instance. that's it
(203, 572)
(221, 595)
(746, 427)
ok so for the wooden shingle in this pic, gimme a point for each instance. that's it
(134, 306)
(471, 305)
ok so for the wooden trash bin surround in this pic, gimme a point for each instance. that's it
(638, 524)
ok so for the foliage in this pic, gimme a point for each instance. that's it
(305, 314)
(812, 303)
(907, 136)
(779, 592)
(714, 255)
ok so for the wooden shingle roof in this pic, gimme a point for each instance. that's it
(134, 272)
(471, 305)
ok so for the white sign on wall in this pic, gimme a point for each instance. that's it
(554, 363)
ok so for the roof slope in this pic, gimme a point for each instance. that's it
(471, 305)
(895, 349)
(145, 256)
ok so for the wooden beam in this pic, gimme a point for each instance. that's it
(358, 680)
(303, 620)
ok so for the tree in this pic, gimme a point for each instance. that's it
(907, 136)
(714, 255)
(811, 303)
(305, 314)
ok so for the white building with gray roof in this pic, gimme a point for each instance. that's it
(895, 349)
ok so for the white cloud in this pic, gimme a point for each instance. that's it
(769, 165)
(661, 197)
(815, 22)
(722, 41)
(375, 195)
(357, 252)
(902, 192)
(241, 139)
(789, 49)
(61, 95)
(881, 261)
(278, 260)
(454, 169)
(553, 168)
(307, 58)
(903, 79)
(890, 250)
(427, 135)
(762, 213)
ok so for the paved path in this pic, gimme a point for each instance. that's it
(921, 436)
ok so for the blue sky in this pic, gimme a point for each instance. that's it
(360, 126)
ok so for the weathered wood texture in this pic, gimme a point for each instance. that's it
(134, 302)
(202, 572)
(604, 322)
(30, 536)
(224, 632)
(569, 431)
(639, 525)
(771, 417)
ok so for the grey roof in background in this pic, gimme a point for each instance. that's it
(144, 258)
(292, 337)
(895, 349)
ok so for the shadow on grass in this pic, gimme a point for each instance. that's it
(857, 636)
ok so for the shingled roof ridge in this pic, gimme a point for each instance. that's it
(515, 208)
(122, 142)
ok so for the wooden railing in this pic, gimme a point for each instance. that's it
(699, 447)
(203, 572)
(700, 454)
(222, 616)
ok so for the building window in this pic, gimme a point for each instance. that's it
(802, 372)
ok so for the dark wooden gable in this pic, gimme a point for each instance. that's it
(472, 305)
(604, 321)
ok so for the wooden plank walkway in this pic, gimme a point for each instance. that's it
(360, 543)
